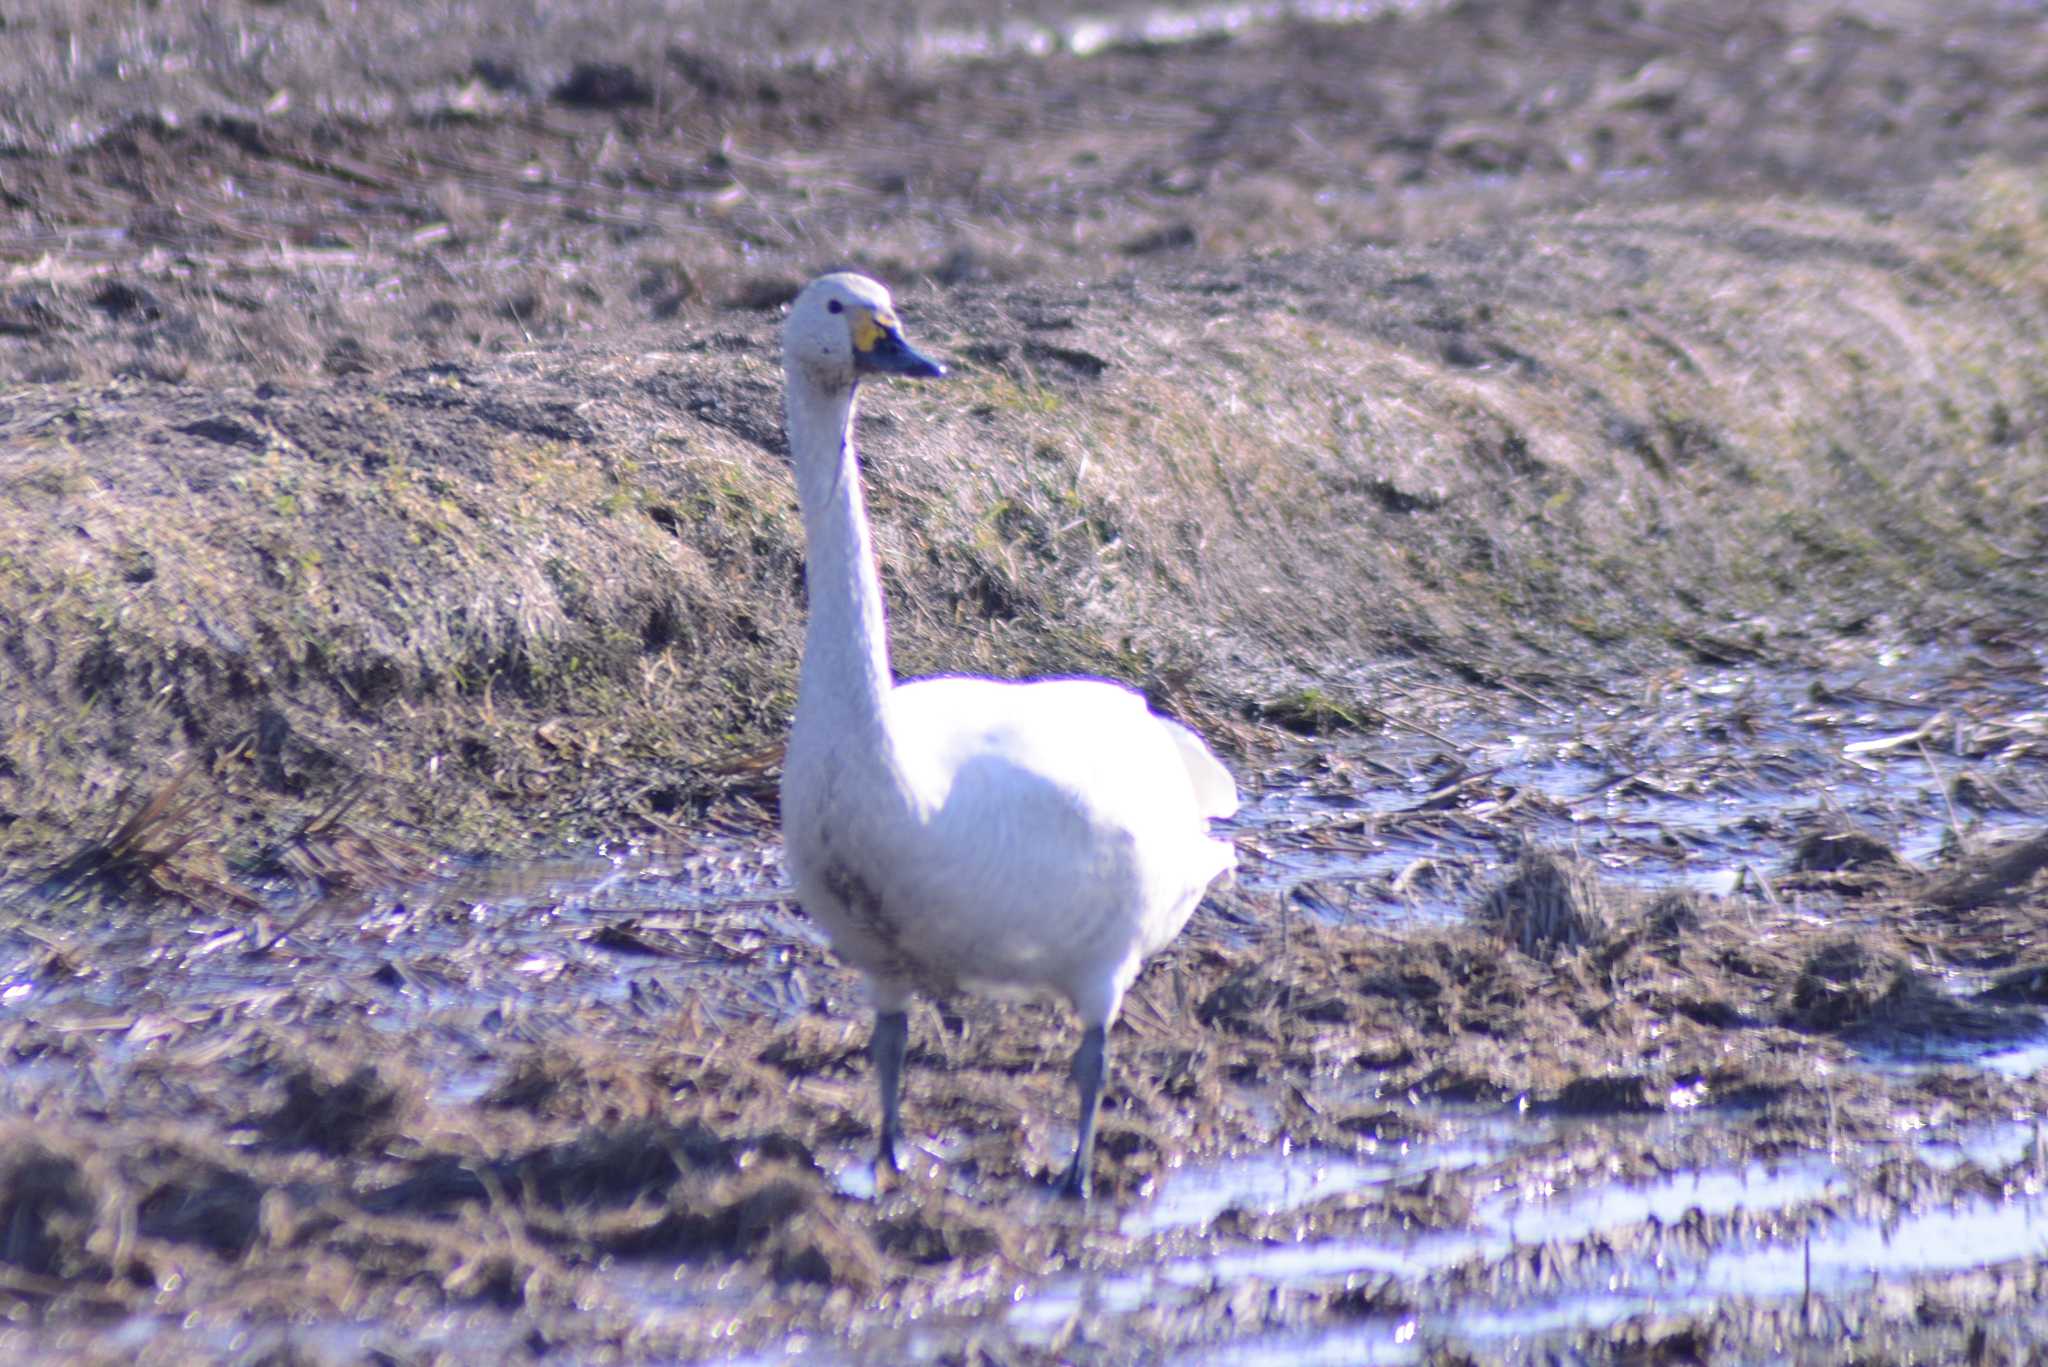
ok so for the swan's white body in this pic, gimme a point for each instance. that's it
(966, 832)
(1048, 835)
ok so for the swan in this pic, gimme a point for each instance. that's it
(957, 832)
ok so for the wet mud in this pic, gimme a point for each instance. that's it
(1703, 1022)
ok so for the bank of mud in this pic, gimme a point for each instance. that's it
(559, 595)
(1429, 1083)
(405, 434)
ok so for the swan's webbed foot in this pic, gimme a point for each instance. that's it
(1091, 1067)
(890, 1043)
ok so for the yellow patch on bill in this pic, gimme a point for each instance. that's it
(867, 331)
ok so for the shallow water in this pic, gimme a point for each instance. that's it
(1518, 1218)
(1705, 781)
(1707, 792)
(1838, 1252)
(1267, 1183)
(1087, 33)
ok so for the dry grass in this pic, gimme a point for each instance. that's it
(551, 594)
(427, 448)
(325, 188)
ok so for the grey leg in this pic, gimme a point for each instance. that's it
(1091, 1066)
(891, 1041)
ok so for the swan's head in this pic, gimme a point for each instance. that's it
(843, 327)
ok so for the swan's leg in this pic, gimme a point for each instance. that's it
(1091, 1066)
(891, 1041)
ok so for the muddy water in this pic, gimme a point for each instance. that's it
(1515, 1221)
(1705, 780)
(1835, 1255)
(1096, 29)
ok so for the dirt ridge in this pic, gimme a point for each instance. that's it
(559, 594)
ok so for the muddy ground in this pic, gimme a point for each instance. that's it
(1701, 1025)
(404, 418)
(1583, 463)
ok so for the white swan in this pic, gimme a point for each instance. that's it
(966, 832)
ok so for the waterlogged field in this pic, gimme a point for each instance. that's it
(1783, 1095)
(1582, 464)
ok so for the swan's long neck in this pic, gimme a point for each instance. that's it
(846, 648)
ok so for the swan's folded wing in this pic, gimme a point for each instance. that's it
(1089, 734)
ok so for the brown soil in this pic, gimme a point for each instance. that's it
(390, 464)
(408, 425)
(657, 1172)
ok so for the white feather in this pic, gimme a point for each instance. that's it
(958, 831)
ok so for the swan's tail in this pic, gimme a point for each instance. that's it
(1215, 790)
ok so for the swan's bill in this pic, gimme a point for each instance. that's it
(879, 348)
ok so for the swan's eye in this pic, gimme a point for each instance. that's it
(835, 307)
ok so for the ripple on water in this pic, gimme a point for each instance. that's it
(1267, 1183)
(1843, 1252)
